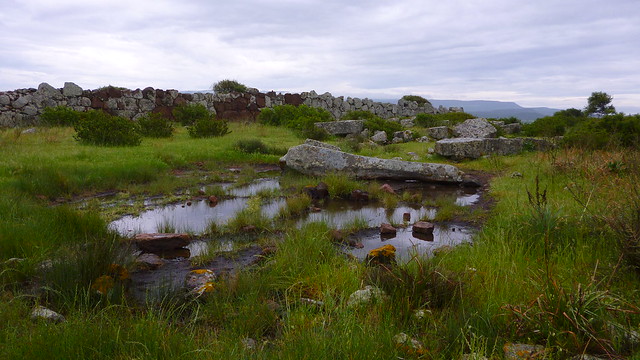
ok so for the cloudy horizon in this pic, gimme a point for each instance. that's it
(545, 53)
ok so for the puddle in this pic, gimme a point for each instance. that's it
(252, 189)
(407, 245)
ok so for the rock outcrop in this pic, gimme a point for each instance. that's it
(343, 127)
(474, 148)
(475, 128)
(318, 161)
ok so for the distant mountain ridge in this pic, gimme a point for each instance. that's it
(492, 109)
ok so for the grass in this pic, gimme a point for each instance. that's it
(553, 263)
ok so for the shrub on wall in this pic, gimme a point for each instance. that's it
(190, 113)
(99, 128)
(208, 127)
(228, 86)
(155, 125)
(59, 116)
(419, 99)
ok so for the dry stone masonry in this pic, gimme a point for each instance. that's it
(22, 107)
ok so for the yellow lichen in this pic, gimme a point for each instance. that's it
(103, 284)
(201, 271)
(118, 272)
(385, 251)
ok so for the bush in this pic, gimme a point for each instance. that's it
(59, 116)
(155, 125)
(252, 146)
(228, 86)
(597, 133)
(99, 128)
(555, 125)
(446, 119)
(301, 118)
(419, 99)
(209, 127)
(190, 113)
(380, 124)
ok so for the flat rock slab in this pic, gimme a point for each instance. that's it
(344, 127)
(475, 128)
(160, 242)
(318, 161)
(473, 148)
(423, 227)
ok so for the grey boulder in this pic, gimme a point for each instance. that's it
(475, 128)
(344, 127)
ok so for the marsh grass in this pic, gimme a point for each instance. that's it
(295, 206)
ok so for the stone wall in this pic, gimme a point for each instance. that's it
(22, 107)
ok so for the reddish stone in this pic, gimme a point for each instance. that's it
(337, 235)
(423, 227)
(213, 200)
(148, 261)
(387, 230)
(179, 101)
(387, 188)
(261, 100)
(359, 195)
(293, 99)
(156, 242)
(406, 217)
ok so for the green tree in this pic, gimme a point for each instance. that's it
(599, 104)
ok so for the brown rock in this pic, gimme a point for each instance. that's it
(148, 261)
(213, 200)
(337, 235)
(423, 227)
(387, 230)
(156, 242)
(359, 195)
(175, 253)
(387, 188)
(406, 217)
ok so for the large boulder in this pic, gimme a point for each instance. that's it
(473, 148)
(71, 89)
(438, 132)
(475, 128)
(161, 242)
(344, 127)
(318, 161)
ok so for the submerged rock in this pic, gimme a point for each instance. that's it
(423, 227)
(387, 230)
(318, 161)
(160, 242)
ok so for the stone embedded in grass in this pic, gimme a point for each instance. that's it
(409, 344)
(523, 351)
(42, 313)
(359, 195)
(366, 296)
(383, 255)
(442, 250)
(157, 243)
(200, 281)
(387, 230)
(387, 188)
(423, 227)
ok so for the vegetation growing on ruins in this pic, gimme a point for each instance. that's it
(228, 86)
(417, 98)
(555, 263)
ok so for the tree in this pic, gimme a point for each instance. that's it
(599, 104)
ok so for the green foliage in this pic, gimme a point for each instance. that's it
(377, 123)
(609, 130)
(228, 86)
(59, 116)
(188, 114)
(155, 125)
(599, 104)
(209, 127)
(301, 118)
(446, 119)
(257, 146)
(555, 125)
(419, 99)
(99, 128)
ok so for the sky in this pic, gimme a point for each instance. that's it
(551, 53)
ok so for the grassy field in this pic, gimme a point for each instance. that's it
(556, 262)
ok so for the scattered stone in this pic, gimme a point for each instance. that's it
(409, 344)
(200, 281)
(317, 161)
(516, 174)
(523, 351)
(438, 132)
(317, 303)
(159, 242)
(414, 156)
(586, 357)
(42, 313)
(379, 137)
(385, 255)
(423, 227)
(420, 314)
(442, 250)
(424, 139)
(359, 195)
(407, 123)
(387, 230)
(387, 188)
(475, 128)
(344, 127)
(148, 261)
(29, 131)
(249, 344)
(473, 356)
(366, 296)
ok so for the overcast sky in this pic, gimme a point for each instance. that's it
(537, 53)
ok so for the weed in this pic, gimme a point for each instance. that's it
(295, 206)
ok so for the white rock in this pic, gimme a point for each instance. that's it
(365, 296)
(42, 313)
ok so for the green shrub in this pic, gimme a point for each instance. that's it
(315, 133)
(597, 133)
(99, 128)
(380, 124)
(448, 119)
(419, 99)
(155, 125)
(301, 118)
(252, 146)
(209, 127)
(228, 86)
(188, 114)
(59, 116)
(555, 125)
